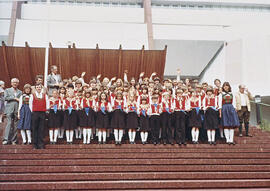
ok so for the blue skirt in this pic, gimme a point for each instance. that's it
(229, 117)
(25, 118)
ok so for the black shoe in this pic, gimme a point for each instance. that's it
(155, 143)
(119, 143)
(179, 144)
(233, 143)
(214, 143)
(209, 142)
(143, 143)
(164, 143)
(116, 143)
(184, 143)
(248, 135)
(172, 143)
(99, 143)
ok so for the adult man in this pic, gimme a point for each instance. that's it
(242, 99)
(53, 80)
(39, 80)
(11, 97)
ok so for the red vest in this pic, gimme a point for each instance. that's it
(56, 102)
(210, 102)
(116, 104)
(169, 106)
(194, 104)
(180, 104)
(155, 110)
(105, 104)
(70, 104)
(87, 103)
(39, 104)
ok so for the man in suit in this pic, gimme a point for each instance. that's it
(11, 97)
(242, 100)
(39, 81)
(53, 80)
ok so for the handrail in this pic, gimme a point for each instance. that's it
(264, 104)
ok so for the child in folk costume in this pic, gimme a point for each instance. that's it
(181, 105)
(166, 119)
(143, 110)
(70, 107)
(38, 104)
(132, 117)
(87, 116)
(228, 114)
(217, 91)
(102, 120)
(54, 120)
(195, 121)
(79, 97)
(210, 105)
(154, 112)
(24, 115)
(118, 117)
(62, 97)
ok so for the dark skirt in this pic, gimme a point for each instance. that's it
(102, 121)
(54, 119)
(211, 120)
(61, 114)
(118, 119)
(144, 123)
(229, 117)
(194, 119)
(25, 118)
(132, 120)
(70, 120)
(86, 120)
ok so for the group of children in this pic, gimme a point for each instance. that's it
(165, 111)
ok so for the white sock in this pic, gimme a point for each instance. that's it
(80, 132)
(209, 135)
(51, 135)
(213, 135)
(130, 136)
(104, 134)
(227, 135)
(231, 135)
(29, 138)
(89, 134)
(1, 118)
(145, 136)
(133, 136)
(84, 135)
(221, 132)
(62, 132)
(23, 136)
(121, 132)
(55, 135)
(99, 136)
(71, 133)
(67, 136)
(142, 136)
(197, 135)
(193, 134)
(116, 136)
(77, 133)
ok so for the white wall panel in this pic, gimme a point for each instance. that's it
(82, 13)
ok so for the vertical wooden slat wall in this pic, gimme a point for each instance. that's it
(27, 62)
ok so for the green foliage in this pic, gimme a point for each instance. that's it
(265, 125)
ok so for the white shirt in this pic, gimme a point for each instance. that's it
(243, 99)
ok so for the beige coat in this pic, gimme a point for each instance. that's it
(248, 97)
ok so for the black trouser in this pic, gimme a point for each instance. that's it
(244, 116)
(38, 120)
(180, 126)
(155, 127)
(167, 134)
